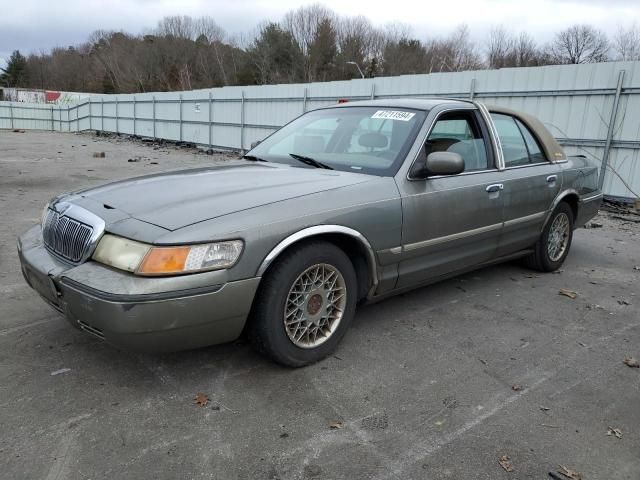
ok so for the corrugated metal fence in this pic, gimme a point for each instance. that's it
(592, 109)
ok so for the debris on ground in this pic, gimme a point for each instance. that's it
(569, 473)
(18, 130)
(594, 306)
(593, 225)
(336, 425)
(615, 432)
(505, 462)
(516, 387)
(637, 267)
(544, 409)
(567, 293)
(624, 302)
(631, 362)
(201, 399)
(138, 158)
(97, 154)
(58, 372)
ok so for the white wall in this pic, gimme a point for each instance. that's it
(574, 101)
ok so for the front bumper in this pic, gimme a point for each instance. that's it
(141, 314)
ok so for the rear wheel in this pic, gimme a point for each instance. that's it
(552, 248)
(305, 304)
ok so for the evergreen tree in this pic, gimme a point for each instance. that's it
(15, 73)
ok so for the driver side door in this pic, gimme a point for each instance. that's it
(451, 222)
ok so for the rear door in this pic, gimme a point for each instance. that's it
(531, 182)
(451, 222)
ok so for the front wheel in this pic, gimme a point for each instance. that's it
(305, 304)
(552, 248)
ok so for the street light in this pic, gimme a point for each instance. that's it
(358, 67)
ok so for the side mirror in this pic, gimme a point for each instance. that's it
(255, 144)
(444, 163)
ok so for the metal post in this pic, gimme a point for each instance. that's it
(90, 114)
(180, 105)
(612, 124)
(153, 113)
(68, 119)
(102, 114)
(373, 91)
(11, 114)
(209, 117)
(472, 89)
(52, 128)
(242, 121)
(134, 115)
(304, 101)
(117, 118)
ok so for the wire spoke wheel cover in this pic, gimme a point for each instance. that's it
(315, 305)
(558, 238)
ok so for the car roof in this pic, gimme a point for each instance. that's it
(416, 103)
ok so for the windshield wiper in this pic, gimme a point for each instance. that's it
(253, 158)
(310, 161)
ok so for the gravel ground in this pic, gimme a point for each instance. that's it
(438, 383)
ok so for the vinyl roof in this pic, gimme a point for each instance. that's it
(417, 103)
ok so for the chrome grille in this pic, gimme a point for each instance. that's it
(67, 237)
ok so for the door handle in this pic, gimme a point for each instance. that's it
(496, 187)
(552, 178)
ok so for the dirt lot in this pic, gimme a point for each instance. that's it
(438, 383)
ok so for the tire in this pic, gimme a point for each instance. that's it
(308, 283)
(552, 248)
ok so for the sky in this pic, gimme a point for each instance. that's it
(37, 25)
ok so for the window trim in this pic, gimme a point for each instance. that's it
(519, 124)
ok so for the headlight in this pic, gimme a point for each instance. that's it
(45, 212)
(144, 259)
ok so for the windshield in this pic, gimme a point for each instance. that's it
(373, 140)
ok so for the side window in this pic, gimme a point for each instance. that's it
(535, 153)
(513, 145)
(459, 133)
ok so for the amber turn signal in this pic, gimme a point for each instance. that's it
(161, 261)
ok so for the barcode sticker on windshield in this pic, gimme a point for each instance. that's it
(394, 115)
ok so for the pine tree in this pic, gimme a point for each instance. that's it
(15, 73)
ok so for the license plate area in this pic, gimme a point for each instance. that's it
(43, 284)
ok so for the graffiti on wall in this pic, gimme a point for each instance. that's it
(41, 96)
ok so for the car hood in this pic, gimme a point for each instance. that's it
(173, 200)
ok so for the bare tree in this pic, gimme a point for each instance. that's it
(527, 53)
(580, 44)
(501, 48)
(210, 34)
(454, 53)
(626, 43)
(177, 26)
(505, 49)
(303, 23)
(306, 25)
